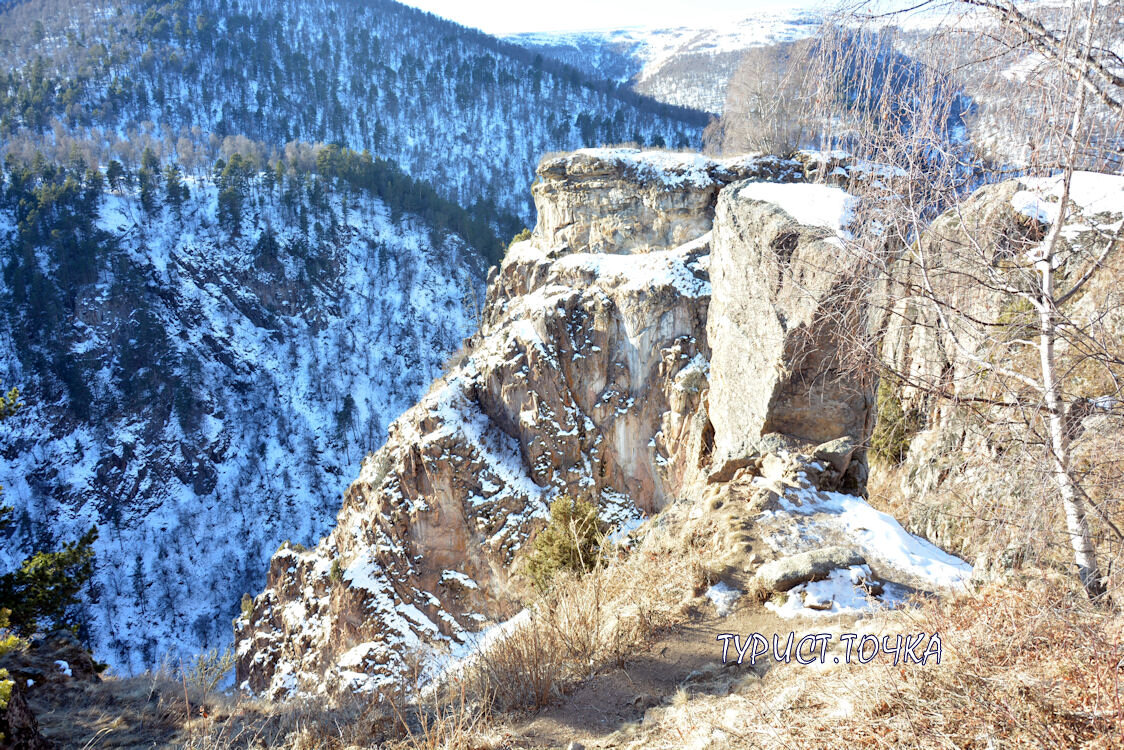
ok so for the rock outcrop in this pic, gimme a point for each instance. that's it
(626, 201)
(46, 661)
(780, 325)
(589, 376)
(963, 447)
(19, 729)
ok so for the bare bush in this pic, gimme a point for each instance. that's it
(764, 109)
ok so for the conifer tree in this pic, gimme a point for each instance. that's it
(174, 188)
(115, 174)
(45, 586)
(149, 179)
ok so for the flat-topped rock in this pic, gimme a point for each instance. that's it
(783, 357)
(621, 200)
(784, 573)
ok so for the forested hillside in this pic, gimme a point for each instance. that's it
(462, 110)
(213, 315)
(204, 361)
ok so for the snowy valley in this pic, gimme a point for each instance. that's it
(222, 393)
(387, 384)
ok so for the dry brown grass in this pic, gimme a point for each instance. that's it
(589, 622)
(1022, 668)
(1029, 667)
(1032, 665)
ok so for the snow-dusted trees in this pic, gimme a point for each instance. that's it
(432, 97)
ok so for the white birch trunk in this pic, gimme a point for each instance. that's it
(1073, 502)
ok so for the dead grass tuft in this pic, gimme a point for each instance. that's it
(1028, 667)
(588, 622)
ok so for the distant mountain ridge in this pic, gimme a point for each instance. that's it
(685, 66)
(439, 100)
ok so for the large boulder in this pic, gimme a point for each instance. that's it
(995, 231)
(780, 324)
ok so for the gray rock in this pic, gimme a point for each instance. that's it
(783, 574)
(723, 467)
(836, 453)
(780, 361)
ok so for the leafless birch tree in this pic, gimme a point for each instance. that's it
(963, 278)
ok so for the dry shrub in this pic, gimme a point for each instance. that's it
(572, 541)
(588, 622)
(458, 721)
(584, 624)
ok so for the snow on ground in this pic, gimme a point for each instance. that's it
(462, 655)
(1095, 215)
(808, 518)
(723, 597)
(1093, 193)
(645, 272)
(843, 592)
(675, 169)
(458, 577)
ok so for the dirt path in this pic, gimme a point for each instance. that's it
(688, 658)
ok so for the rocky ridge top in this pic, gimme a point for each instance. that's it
(604, 358)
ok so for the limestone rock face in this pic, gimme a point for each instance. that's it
(1005, 222)
(964, 459)
(627, 201)
(778, 328)
(588, 377)
(591, 376)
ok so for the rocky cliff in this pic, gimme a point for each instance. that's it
(963, 452)
(605, 366)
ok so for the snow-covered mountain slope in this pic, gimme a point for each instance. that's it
(455, 107)
(200, 392)
(686, 66)
(203, 391)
